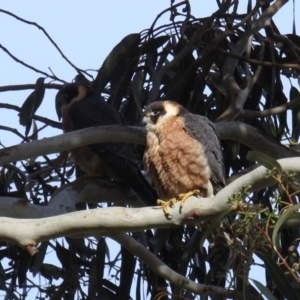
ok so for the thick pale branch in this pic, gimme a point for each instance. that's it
(228, 130)
(71, 140)
(64, 199)
(166, 272)
(116, 220)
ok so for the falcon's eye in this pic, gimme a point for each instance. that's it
(155, 113)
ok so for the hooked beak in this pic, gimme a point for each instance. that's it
(145, 120)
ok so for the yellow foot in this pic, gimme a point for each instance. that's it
(166, 204)
(180, 197)
(183, 197)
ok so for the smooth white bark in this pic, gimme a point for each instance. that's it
(116, 220)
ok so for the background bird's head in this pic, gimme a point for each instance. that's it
(69, 94)
(159, 111)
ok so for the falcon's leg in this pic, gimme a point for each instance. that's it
(172, 201)
(183, 197)
(167, 204)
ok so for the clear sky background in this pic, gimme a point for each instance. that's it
(86, 31)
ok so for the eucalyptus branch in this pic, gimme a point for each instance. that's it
(253, 138)
(50, 39)
(259, 62)
(235, 93)
(157, 77)
(166, 272)
(117, 220)
(47, 121)
(237, 131)
(250, 114)
(30, 86)
(13, 130)
(151, 29)
(28, 66)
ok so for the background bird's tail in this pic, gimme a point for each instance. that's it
(130, 174)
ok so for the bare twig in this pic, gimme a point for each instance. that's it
(250, 114)
(16, 170)
(151, 29)
(236, 95)
(49, 38)
(35, 117)
(166, 272)
(237, 131)
(13, 130)
(28, 66)
(259, 62)
(21, 87)
(157, 77)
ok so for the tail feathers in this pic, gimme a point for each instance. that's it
(131, 175)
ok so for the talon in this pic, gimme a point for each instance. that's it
(166, 204)
(183, 197)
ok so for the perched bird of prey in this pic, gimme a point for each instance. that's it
(183, 154)
(80, 107)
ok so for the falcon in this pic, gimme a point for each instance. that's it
(80, 107)
(183, 154)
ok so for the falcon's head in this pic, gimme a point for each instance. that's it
(68, 94)
(158, 112)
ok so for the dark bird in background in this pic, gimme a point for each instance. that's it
(183, 154)
(80, 107)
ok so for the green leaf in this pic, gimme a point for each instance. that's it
(295, 115)
(137, 88)
(26, 109)
(99, 266)
(216, 221)
(234, 150)
(264, 160)
(287, 214)
(246, 290)
(263, 290)
(126, 274)
(50, 271)
(31, 104)
(113, 63)
(279, 278)
(154, 43)
(39, 258)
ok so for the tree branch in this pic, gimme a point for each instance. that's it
(253, 138)
(235, 93)
(28, 66)
(64, 200)
(117, 220)
(259, 62)
(166, 272)
(237, 131)
(250, 114)
(35, 117)
(49, 38)
(29, 86)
